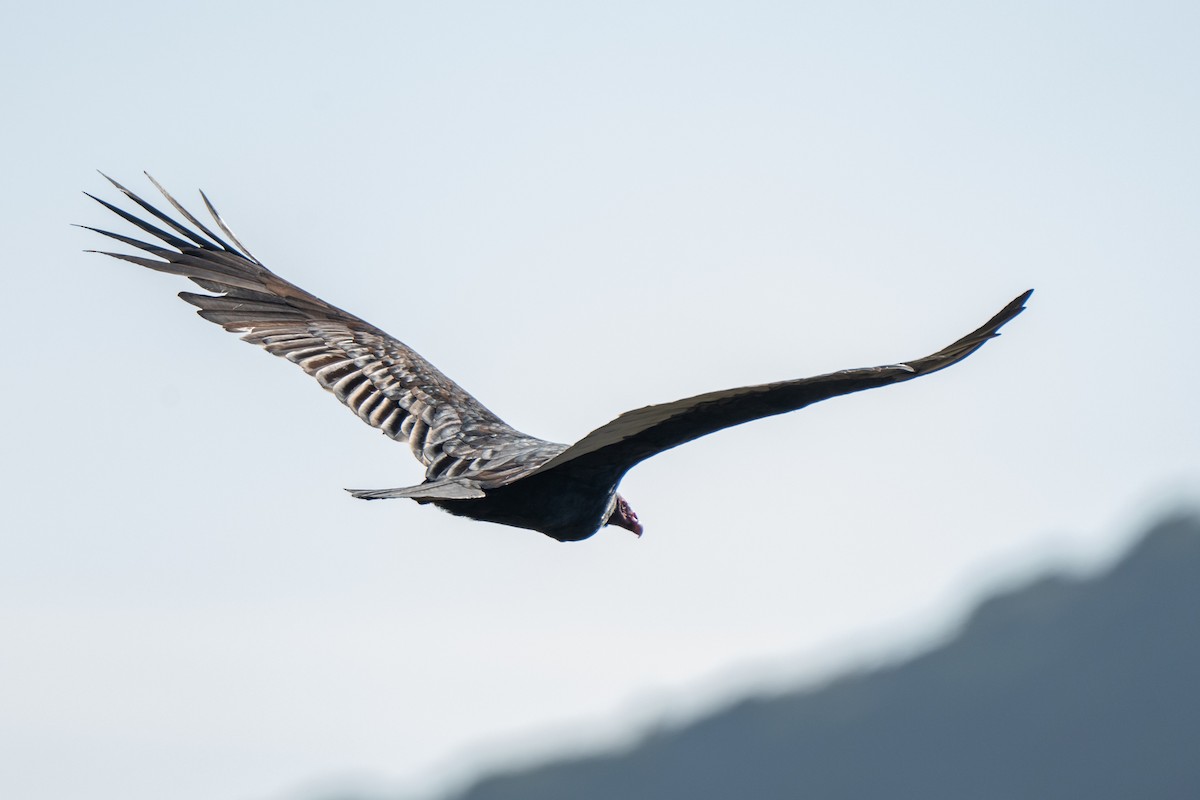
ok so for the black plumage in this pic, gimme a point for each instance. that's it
(476, 465)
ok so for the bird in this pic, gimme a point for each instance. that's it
(476, 465)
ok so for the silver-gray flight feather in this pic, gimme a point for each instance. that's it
(476, 465)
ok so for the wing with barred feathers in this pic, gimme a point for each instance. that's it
(378, 377)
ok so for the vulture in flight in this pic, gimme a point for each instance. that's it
(475, 465)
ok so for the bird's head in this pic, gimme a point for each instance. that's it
(623, 516)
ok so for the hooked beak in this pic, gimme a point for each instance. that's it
(623, 516)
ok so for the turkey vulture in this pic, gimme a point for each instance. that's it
(475, 465)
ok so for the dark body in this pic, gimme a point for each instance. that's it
(476, 465)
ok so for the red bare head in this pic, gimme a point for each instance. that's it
(624, 517)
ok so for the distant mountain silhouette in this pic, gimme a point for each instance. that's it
(1063, 689)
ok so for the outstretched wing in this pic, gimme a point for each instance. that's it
(636, 435)
(378, 377)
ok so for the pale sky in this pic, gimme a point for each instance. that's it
(573, 209)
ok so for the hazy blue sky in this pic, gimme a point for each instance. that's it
(573, 209)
